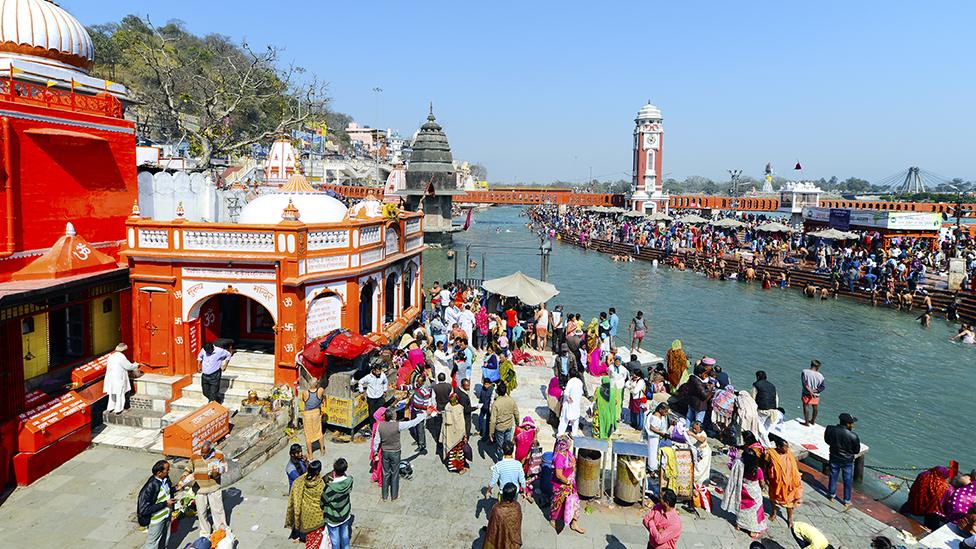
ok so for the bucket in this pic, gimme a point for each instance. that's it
(588, 469)
(627, 488)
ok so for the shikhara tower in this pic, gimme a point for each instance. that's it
(647, 190)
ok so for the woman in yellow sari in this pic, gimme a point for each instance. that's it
(506, 371)
(593, 335)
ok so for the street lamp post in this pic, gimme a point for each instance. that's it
(734, 189)
(545, 248)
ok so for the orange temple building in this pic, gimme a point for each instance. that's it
(296, 266)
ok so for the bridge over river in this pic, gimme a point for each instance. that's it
(528, 197)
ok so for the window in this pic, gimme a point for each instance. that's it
(27, 326)
(107, 305)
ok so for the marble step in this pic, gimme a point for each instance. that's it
(133, 417)
(193, 398)
(252, 362)
(247, 380)
(132, 438)
(156, 385)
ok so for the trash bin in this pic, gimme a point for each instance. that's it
(628, 487)
(588, 469)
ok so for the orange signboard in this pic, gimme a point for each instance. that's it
(51, 421)
(183, 438)
(90, 371)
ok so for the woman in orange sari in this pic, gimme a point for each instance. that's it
(783, 475)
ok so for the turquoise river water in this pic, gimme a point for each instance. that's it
(907, 385)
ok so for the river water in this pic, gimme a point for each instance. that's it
(907, 385)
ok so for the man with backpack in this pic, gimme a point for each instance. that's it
(154, 506)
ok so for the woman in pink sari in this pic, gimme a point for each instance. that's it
(524, 443)
(597, 367)
(565, 504)
(744, 494)
(375, 467)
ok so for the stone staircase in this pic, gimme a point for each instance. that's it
(247, 371)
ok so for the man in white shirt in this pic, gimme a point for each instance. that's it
(452, 316)
(117, 382)
(466, 322)
(569, 415)
(374, 385)
(445, 300)
(442, 361)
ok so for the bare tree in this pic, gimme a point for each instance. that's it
(219, 96)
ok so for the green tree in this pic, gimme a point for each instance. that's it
(219, 96)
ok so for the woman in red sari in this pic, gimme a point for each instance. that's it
(524, 443)
(925, 497)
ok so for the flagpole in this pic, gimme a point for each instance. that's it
(10, 83)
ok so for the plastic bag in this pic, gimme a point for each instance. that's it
(228, 541)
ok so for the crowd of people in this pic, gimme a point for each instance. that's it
(894, 271)
(681, 404)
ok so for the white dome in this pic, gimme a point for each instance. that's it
(41, 28)
(649, 112)
(312, 207)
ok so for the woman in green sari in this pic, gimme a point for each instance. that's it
(506, 371)
(604, 420)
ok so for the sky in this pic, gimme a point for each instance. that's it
(542, 91)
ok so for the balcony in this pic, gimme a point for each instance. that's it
(103, 104)
(326, 247)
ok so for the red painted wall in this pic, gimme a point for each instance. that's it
(64, 177)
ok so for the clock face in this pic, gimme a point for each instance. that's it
(650, 140)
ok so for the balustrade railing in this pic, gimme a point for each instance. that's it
(34, 94)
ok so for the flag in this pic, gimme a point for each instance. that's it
(108, 83)
(798, 166)
(15, 70)
(51, 83)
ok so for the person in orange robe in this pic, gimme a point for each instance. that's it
(783, 475)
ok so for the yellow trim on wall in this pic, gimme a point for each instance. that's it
(105, 325)
(36, 344)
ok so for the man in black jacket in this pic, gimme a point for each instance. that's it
(155, 506)
(844, 447)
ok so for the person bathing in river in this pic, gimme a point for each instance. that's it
(965, 334)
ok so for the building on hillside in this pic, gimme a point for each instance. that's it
(647, 191)
(297, 265)
(372, 140)
(431, 183)
(67, 184)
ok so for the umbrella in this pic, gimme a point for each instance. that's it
(774, 227)
(528, 290)
(633, 214)
(693, 219)
(659, 216)
(831, 234)
(728, 222)
(616, 210)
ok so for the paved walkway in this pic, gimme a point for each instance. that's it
(90, 502)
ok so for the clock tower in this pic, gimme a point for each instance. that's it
(647, 189)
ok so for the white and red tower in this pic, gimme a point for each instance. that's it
(280, 164)
(647, 192)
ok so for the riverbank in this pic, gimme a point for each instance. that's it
(798, 278)
(901, 380)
